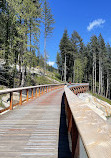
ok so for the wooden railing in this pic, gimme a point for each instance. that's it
(72, 127)
(90, 134)
(35, 91)
(79, 88)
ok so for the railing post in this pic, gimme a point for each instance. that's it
(27, 91)
(20, 102)
(11, 101)
(46, 89)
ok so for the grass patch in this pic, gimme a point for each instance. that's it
(101, 97)
(42, 80)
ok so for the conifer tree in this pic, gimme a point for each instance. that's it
(48, 22)
(94, 52)
(65, 50)
(102, 51)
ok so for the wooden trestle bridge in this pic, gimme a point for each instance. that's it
(29, 128)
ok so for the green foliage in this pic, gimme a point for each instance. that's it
(86, 63)
(42, 80)
(48, 22)
(57, 75)
(48, 19)
(19, 39)
(79, 71)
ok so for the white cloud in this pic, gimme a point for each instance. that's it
(51, 63)
(95, 23)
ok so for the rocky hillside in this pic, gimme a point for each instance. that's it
(33, 76)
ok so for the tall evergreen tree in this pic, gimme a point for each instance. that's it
(48, 21)
(94, 51)
(65, 50)
(102, 51)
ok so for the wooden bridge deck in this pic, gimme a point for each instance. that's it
(32, 130)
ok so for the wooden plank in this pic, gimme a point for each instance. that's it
(32, 130)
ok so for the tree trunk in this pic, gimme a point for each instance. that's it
(23, 76)
(77, 75)
(44, 54)
(74, 72)
(65, 69)
(23, 64)
(101, 81)
(95, 73)
(99, 91)
(30, 34)
(62, 74)
(7, 44)
(107, 90)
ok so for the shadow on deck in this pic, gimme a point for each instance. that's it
(64, 150)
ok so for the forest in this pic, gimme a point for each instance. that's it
(21, 24)
(90, 63)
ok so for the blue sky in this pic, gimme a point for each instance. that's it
(78, 15)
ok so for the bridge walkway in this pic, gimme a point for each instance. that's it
(32, 129)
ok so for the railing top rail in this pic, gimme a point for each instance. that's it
(94, 131)
(25, 88)
(78, 84)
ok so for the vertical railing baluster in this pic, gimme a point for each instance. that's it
(11, 100)
(27, 91)
(20, 102)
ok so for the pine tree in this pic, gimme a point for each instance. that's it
(102, 51)
(59, 64)
(65, 50)
(94, 51)
(48, 22)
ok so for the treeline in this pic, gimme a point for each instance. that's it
(20, 30)
(90, 63)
